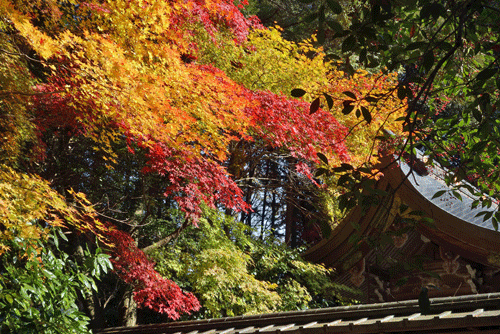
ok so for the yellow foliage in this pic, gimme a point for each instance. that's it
(268, 62)
(361, 138)
(146, 90)
(223, 283)
(44, 45)
(25, 201)
(29, 207)
(279, 66)
(123, 63)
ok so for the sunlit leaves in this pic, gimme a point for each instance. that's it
(272, 63)
(150, 289)
(233, 274)
(160, 90)
(288, 123)
(369, 104)
(40, 286)
(28, 200)
(214, 186)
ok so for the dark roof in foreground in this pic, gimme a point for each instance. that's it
(464, 314)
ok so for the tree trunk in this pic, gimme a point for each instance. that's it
(290, 228)
(129, 308)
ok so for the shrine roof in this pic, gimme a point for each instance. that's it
(433, 181)
(465, 314)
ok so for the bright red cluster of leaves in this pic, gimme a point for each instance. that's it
(284, 122)
(150, 289)
(193, 181)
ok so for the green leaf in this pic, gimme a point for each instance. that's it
(321, 28)
(366, 114)
(479, 147)
(348, 107)
(345, 178)
(368, 32)
(488, 215)
(350, 94)
(428, 61)
(416, 45)
(322, 157)
(335, 26)
(439, 194)
(348, 44)
(375, 13)
(494, 222)
(329, 100)
(297, 92)
(346, 166)
(437, 10)
(445, 46)
(486, 74)
(9, 299)
(371, 98)
(320, 171)
(401, 92)
(321, 34)
(425, 12)
(311, 17)
(334, 6)
(362, 56)
(477, 114)
(314, 106)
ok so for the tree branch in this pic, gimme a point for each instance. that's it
(167, 239)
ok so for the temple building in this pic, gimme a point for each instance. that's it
(388, 252)
(433, 241)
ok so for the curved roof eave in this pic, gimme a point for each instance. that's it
(456, 224)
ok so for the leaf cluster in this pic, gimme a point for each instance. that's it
(40, 286)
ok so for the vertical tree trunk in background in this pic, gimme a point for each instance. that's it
(95, 311)
(290, 199)
(264, 202)
(128, 305)
(290, 226)
(273, 210)
(129, 308)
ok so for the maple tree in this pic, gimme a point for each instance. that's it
(233, 273)
(84, 97)
(151, 290)
(447, 56)
(300, 65)
(150, 107)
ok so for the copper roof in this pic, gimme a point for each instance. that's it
(456, 225)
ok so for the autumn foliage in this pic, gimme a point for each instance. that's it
(150, 289)
(285, 122)
(139, 75)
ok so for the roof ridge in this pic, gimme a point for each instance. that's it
(300, 317)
